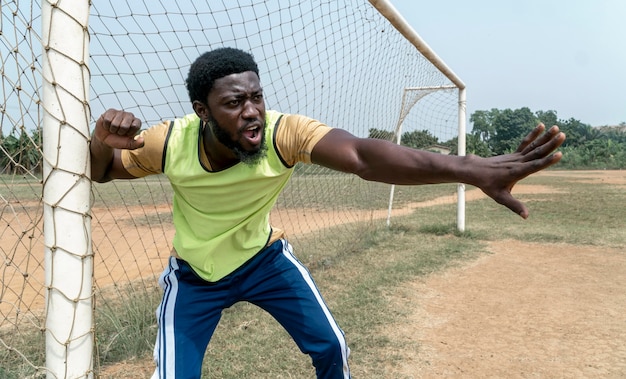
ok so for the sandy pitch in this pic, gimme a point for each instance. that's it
(527, 310)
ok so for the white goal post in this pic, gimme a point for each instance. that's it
(386, 8)
(75, 254)
(66, 190)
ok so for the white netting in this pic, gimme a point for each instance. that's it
(340, 62)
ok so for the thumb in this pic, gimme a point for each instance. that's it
(124, 142)
(516, 206)
(506, 198)
(136, 142)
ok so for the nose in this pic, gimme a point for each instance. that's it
(250, 110)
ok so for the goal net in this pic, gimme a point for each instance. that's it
(76, 255)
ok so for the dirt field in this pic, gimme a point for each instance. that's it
(526, 310)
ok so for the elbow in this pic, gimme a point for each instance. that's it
(100, 173)
(370, 174)
(102, 178)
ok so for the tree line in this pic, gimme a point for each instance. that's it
(21, 152)
(496, 132)
(493, 132)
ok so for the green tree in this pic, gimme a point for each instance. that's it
(548, 118)
(21, 155)
(473, 145)
(578, 133)
(510, 127)
(419, 139)
(482, 124)
(381, 134)
(613, 134)
(476, 146)
(500, 131)
(9, 147)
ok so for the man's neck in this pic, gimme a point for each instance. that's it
(220, 157)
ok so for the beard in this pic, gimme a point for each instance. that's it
(248, 157)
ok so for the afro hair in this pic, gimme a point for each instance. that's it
(214, 65)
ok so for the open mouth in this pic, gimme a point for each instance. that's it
(253, 134)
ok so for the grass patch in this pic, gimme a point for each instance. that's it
(355, 266)
(582, 213)
(126, 324)
(26, 358)
(354, 286)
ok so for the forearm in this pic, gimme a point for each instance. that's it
(101, 160)
(382, 161)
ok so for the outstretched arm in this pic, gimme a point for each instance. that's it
(384, 161)
(115, 130)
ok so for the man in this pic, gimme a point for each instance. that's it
(227, 164)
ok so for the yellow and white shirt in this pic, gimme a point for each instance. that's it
(221, 218)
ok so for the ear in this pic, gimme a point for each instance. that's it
(201, 109)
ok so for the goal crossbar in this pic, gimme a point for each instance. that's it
(348, 64)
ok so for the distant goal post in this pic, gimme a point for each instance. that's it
(412, 95)
(353, 65)
(387, 9)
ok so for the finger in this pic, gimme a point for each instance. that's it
(124, 142)
(131, 124)
(548, 161)
(537, 165)
(542, 140)
(122, 123)
(110, 120)
(507, 199)
(135, 125)
(547, 148)
(545, 137)
(530, 138)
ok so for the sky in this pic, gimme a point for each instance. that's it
(568, 56)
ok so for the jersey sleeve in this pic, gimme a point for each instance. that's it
(296, 136)
(148, 159)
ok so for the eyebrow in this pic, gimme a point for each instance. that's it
(240, 94)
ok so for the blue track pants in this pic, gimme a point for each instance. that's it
(273, 280)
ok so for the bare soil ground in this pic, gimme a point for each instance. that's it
(526, 310)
